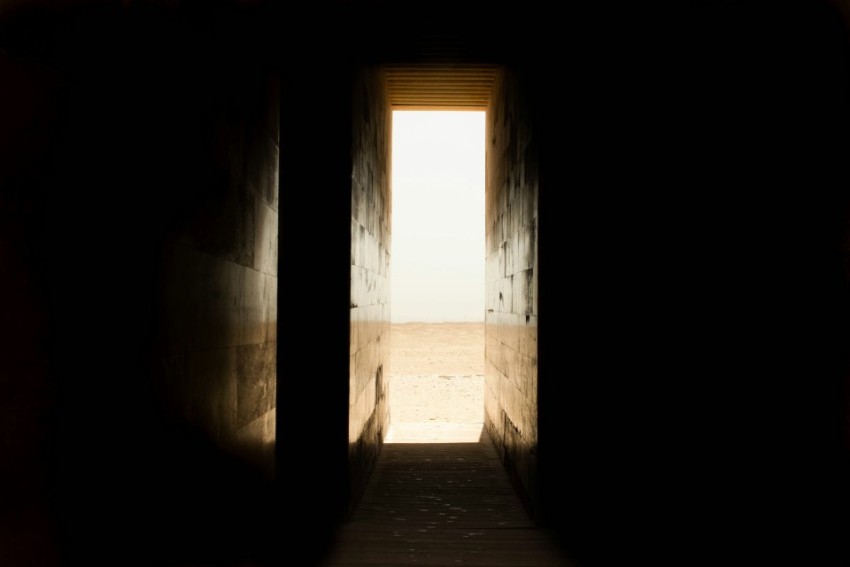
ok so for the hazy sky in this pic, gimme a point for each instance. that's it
(437, 216)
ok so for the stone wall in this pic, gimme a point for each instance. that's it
(370, 278)
(511, 282)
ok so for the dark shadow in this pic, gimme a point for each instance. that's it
(172, 498)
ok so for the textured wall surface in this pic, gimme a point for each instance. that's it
(370, 278)
(511, 282)
(219, 280)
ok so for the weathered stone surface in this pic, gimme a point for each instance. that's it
(370, 252)
(511, 282)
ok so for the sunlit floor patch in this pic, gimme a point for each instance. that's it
(434, 432)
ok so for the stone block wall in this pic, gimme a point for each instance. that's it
(511, 282)
(371, 209)
(218, 281)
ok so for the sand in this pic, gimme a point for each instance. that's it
(436, 388)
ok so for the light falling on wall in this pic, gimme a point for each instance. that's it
(437, 260)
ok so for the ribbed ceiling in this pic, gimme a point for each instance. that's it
(439, 62)
(440, 85)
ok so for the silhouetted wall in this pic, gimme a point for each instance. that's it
(368, 410)
(510, 394)
(315, 297)
(139, 232)
(693, 342)
(28, 389)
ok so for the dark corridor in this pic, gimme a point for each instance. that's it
(183, 187)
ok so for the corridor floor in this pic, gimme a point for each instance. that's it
(446, 503)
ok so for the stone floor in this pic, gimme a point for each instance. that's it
(442, 503)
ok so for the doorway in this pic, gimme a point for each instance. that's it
(436, 379)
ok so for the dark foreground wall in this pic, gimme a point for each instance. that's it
(314, 382)
(693, 341)
(138, 226)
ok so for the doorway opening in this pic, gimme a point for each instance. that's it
(436, 379)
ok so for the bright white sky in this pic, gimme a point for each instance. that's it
(437, 216)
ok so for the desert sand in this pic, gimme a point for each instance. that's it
(436, 388)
